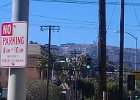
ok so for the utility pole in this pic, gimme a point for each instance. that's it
(50, 28)
(102, 50)
(16, 82)
(75, 74)
(121, 51)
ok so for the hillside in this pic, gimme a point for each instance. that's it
(112, 53)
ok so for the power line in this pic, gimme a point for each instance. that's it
(89, 22)
(5, 5)
(88, 2)
(78, 21)
(69, 26)
(136, 14)
(71, 1)
(63, 19)
(111, 17)
(67, 23)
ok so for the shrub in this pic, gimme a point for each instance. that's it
(37, 90)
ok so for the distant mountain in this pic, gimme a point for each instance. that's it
(112, 53)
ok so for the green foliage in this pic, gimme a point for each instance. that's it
(113, 91)
(86, 87)
(42, 62)
(81, 62)
(54, 92)
(62, 74)
(138, 84)
(37, 90)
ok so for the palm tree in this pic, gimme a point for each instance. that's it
(42, 63)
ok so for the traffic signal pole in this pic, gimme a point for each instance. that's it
(16, 82)
(102, 50)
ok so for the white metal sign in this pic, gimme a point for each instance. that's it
(13, 45)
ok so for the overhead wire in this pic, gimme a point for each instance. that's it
(83, 2)
(111, 17)
(6, 5)
(87, 2)
(80, 21)
(69, 26)
(59, 22)
(70, 1)
(136, 14)
(73, 22)
(90, 22)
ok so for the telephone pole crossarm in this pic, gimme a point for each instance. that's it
(43, 27)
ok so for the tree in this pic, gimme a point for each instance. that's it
(81, 62)
(42, 63)
(86, 87)
(36, 90)
(113, 91)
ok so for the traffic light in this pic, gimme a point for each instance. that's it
(136, 97)
(88, 63)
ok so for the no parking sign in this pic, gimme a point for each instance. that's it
(13, 45)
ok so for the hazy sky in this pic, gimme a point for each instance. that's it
(78, 22)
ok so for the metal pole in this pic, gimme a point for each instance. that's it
(136, 55)
(52, 79)
(136, 62)
(53, 71)
(121, 51)
(16, 82)
(135, 49)
(54, 67)
(75, 75)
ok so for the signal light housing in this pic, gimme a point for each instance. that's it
(88, 63)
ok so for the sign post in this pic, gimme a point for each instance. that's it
(17, 76)
(13, 45)
(13, 55)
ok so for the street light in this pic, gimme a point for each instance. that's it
(53, 68)
(135, 48)
(53, 73)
